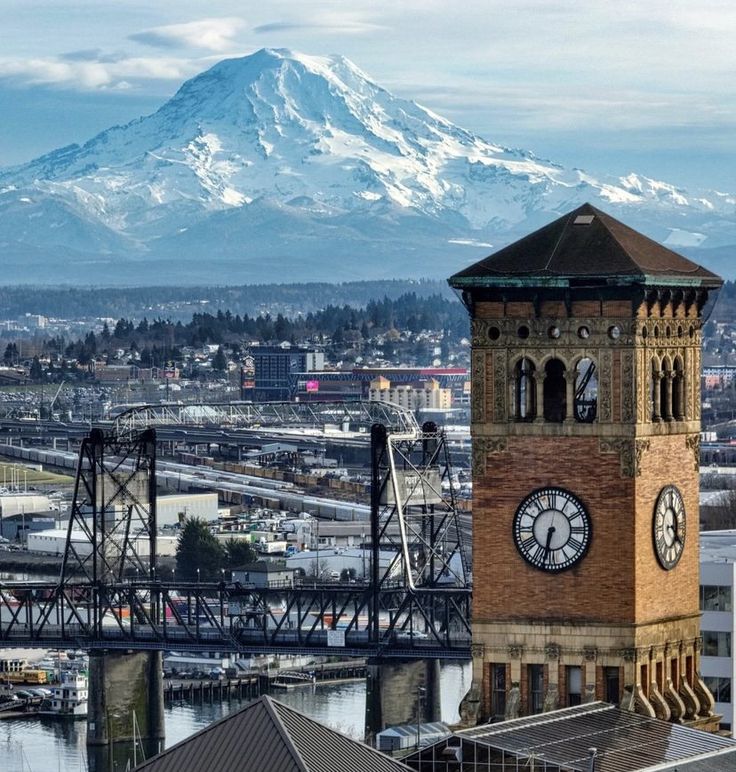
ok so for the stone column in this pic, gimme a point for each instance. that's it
(400, 692)
(656, 388)
(126, 700)
(570, 378)
(539, 407)
(669, 379)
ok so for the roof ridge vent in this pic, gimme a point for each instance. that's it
(583, 219)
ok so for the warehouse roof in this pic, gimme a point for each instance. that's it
(623, 742)
(267, 735)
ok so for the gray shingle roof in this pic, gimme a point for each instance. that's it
(585, 244)
(268, 736)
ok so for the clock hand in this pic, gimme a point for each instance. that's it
(550, 533)
(674, 531)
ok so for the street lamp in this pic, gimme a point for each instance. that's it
(197, 576)
(172, 575)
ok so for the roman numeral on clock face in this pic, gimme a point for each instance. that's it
(552, 529)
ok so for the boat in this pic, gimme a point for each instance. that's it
(68, 698)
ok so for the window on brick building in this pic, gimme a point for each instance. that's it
(586, 391)
(555, 391)
(535, 676)
(574, 685)
(612, 684)
(678, 390)
(525, 390)
(665, 392)
(498, 691)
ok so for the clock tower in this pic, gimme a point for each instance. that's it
(585, 422)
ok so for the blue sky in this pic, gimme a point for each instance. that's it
(608, 87)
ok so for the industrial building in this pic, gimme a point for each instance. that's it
(53, 542)
(173, 509)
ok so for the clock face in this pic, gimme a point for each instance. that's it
(669, 527)
(552, 529)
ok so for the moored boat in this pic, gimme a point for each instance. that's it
(68, 698)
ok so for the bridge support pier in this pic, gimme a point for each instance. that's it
(126, 703)
(401, 692)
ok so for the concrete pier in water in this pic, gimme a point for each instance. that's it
(126, 704)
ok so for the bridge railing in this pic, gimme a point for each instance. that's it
(197, 616)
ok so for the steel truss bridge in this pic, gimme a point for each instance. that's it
(358, 415)
(109, 596)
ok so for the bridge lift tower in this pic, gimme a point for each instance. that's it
(413, 612)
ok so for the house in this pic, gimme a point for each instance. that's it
(265, 574)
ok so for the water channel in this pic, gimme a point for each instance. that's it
(50, 745)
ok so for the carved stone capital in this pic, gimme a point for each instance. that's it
(630, 453)
(482, 447)
(515, 650)
(692, 443)
(590, 653)
(628, 655)
(477, 650)
(552, 651)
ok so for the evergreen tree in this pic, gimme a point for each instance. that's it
(198, 549)
(36, 372)
(219, 360)
(238, 552)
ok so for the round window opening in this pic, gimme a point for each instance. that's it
(554, 332)
(614, 332)
(494, 333)
(583, 332)
(523, 332)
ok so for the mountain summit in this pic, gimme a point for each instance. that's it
(282, 165)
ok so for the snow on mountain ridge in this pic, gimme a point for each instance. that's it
(312, 139)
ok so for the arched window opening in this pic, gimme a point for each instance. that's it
(654, 394)
(526, 390)
(665, 391)
(555, 391)
(586, 391)
(678, 391)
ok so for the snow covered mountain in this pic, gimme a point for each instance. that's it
(281, 166)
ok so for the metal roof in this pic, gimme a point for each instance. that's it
(585, 245)
(625, 741)
(268, 735)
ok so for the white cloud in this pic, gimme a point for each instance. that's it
(86, 74)
(329, 23)
(212, 34)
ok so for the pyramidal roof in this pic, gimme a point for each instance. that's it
(268, 735)
(585, 245)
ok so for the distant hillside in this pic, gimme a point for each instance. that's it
(179, 303)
